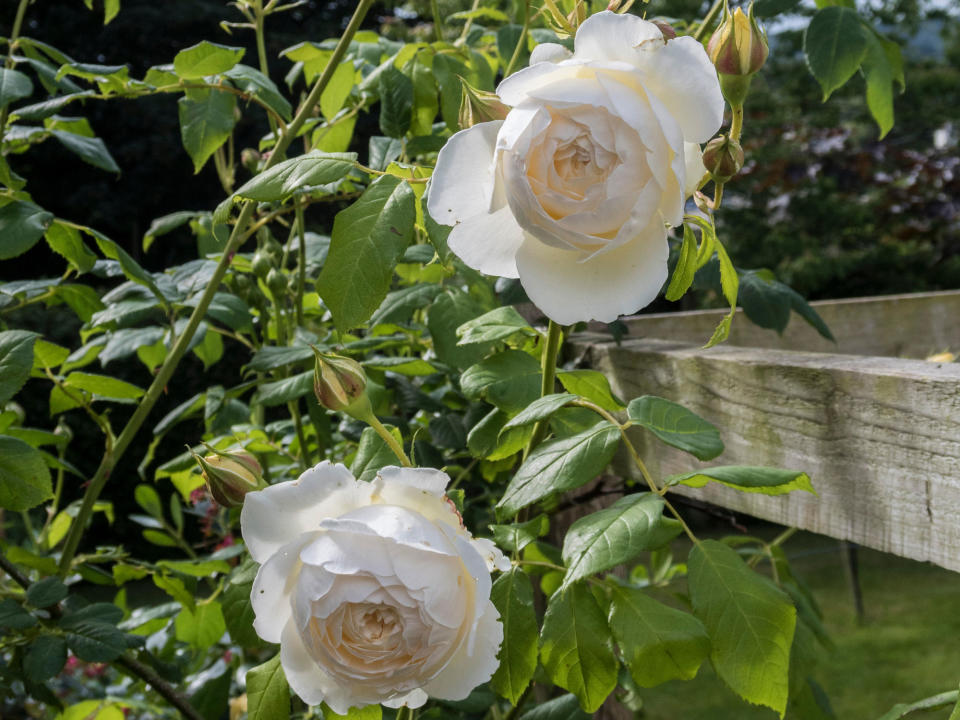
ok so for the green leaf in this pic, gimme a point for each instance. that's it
(148, 498)
(512, 595)
(283, 179)
(283, 391)
(66, 242)
(103, 386)
(46, 108)
(396, 102)
(399, 305)
(676, 426)
(591, 385)
(91, 150)
(14, 85)
(252, 81)
(206, 121)
(510, 380)
(766, 480)
(517, 536)
(576, 647)
(401, 365)
(44, 658)
(749, 620)
(539, 409)
(497, 324)
(835, 44)
(934, 702)
(729, 282)
(22, 224)
(373, 453)
(93, 640)
(14, 617)
(449, 311)
(270, 358)
(880, 76)
(45, 355)
(238, 615)
(686, 267)
(16, 361)
(200, 627)
(206, 58)
(565, 707)
(131, 268)
(24, 476)
(46, 592)
(337, 90)
(367, 240)
(658, 643)
(614, 535)
(368, 712)
(268, 697)
(559, 465)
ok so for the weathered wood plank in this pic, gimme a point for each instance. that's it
(880, 437)
(913, 326)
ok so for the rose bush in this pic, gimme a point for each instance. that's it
(573, 192)
(374, 590)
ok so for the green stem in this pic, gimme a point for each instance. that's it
(301, 260)
(708, 20)
(374, 422)
(736, 123)
(11, 46)
(113, 455)
(520, 42)
(259, 17)
(548, 368)
(293, 407)
(437, 19)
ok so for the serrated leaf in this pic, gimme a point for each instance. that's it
(202, 626)
(91, 150)
(749, 620)
(510, 380)
(24, 476)
(766, 480)
(373, 453)
(539, 409)
(283, 179)
(591, 385)
(253, 81)
(399, 305)
(559, 465)
(283, 391)
(46, 592)
(396, 102)
(565, 707)
(576, 647)
(686, 267)
(614, 535)
(880, 77)
(676, 426)
(498, 324)
(449, 311)
(22, 224)
(16, 361)
(515, 537)
(367, 240)
(44, 658)
(103, 386)
(14, 85)
(512, 595)
(66, 242)
(268, 696)
(658, 643)
(94, 641)
(239, 616)
(13, 616)
(206, 58)
(206, 121)
(270, 358)
(834, 44)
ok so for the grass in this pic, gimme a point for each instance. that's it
(907, 648)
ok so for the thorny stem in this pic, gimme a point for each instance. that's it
(548, 368)
(112, 456)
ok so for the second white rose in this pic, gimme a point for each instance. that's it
(574, 191)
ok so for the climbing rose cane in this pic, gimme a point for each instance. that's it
(574, 190)
(375, 590)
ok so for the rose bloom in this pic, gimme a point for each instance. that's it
(573, 192)
(375, 590)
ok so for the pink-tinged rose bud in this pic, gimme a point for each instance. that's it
(739, 45)
(478, 106)
(230, 475)
(723, 157)
(669, 33)
(340, 384)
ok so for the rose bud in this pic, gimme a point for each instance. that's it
(341, 385)
(669, 32)
(478, 106)
(230, 475)
(723, 157)
(739, 45)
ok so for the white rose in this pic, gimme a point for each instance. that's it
(374, 590)
(574, 190)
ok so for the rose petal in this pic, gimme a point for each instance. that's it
(608, 36)
(466, 670)
(413, 699)
(273, 587)
(306, 678)
(695, 169)
(693, 95)
(488, 243)
(549, 52)
(273, 517)
(612, 284)
(427, 479)
(462, 182)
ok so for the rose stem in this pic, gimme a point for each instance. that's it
(548, 366)
(113, 454)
